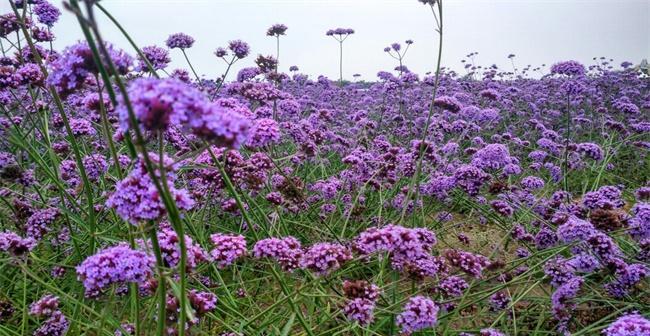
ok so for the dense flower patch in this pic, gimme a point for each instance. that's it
(139, 199)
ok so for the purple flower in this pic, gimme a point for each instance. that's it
(574, 229)
(470, 263)
(448, 103)
(633, 324)
(499, 301)
(14, 244)
(264, 132)
(626, 279)
(81, 127)
(584, 263)
(568, 68)
(606, 197)
(470, 178)
(69, 71)
(360, 310)
(45, 306)
(246, 74)
(453, 286)
(179, 40)
(276, 30)
(545, 238)
(46, 13)
(561, 300)
(239, 48)
(502, 208)
(171, 250)
(221, 125)
(418, 313)
(640, 222)
(286, 251)
(409, 248)
(603, 247)
(590, 150)
(202, 302)
(228, 248)
(159, 103)
(117, 264)
(158, 58)
(324, 258)
(95, 166)
(340, 32)
(136, 198)
(491, 332)
(532, 183)
(38, 224)
(360, 289)
(56, 325)
(492, 156)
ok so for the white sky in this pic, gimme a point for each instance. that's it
(537, 31)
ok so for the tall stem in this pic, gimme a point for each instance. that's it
(341, 63)
(277, 54)
(198, 80)
(162, 293)
(415, 181)
(565, 166)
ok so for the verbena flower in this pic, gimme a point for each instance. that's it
(228, 248)
(136, 198)
(418, 313)
(286, 251)
(568, 68)
(45, 306)
(114, 265)
(180, 41)
(56, 325)
(324, 258)
(158, 58)
(633, 324)
(14, 244)
(46, 13)
(360, 310)
(276, 30)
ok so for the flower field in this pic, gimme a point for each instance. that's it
(137, 199)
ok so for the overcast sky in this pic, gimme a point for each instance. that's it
(537, 31)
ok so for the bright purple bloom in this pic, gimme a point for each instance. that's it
(286, 251)
(136, 197)
(38, 224)
(264, 132)
(418, 313)
(568, 68)
(180, 41)
(239, 48)
(633, 324)
(118, 264)
(228, 248)
(324, 258)
(56, 325)
(453, 286)
(158, 58)
(360, 310)
(46, 13)
(159, 103)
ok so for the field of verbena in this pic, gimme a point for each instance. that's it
(487, 203)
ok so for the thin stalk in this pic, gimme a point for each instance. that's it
(415, 181)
